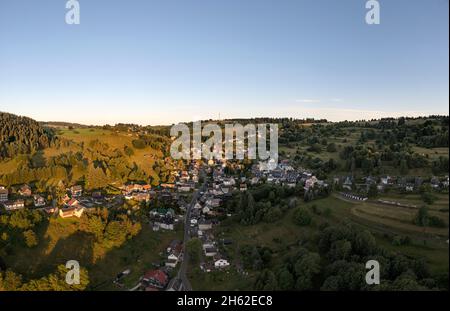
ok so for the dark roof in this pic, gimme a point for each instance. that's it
(204, 222)
(174, 243)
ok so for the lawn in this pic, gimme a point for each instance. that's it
(432, 153)
(225, 280)
(387, 219)
(441, 203)
(86, 135)
(9, 166)
(82, 132)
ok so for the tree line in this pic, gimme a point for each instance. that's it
(335, 260)
(21, 135)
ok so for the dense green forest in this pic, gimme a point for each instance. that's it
(21, 135)
(336, 265)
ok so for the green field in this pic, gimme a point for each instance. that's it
(432, 153)
(9, 166)
(440, 204)
(144, 158)
(224, 280)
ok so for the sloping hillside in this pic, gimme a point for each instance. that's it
(93, 156)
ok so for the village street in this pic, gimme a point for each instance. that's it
(183, 268)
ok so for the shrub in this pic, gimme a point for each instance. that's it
(331, 147)
(302, 217)
(399, 240)
(30, 238)
(128, 151)
(314, 148)
(437, 222)
(428, 198)
(138, 143)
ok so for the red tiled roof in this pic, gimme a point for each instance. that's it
(178, 249)
(156, 275)
(72, 202)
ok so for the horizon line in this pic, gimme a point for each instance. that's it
(315, 120)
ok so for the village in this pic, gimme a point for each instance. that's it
(196, 202)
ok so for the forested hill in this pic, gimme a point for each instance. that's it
(21, 135)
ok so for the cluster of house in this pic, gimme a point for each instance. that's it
(214, 260)
(205, 212)
(164, 218)
(201, 227)
(158, 279)
(72, 207)
(284, 174)
(137, 192)
(187, 179)
(75, 203)
(223, 185)
(408, 184)
(19, 203)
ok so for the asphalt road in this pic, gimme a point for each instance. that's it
(187, 223)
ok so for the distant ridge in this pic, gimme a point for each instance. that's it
(62, 124)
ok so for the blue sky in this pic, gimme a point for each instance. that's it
(160, 62)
